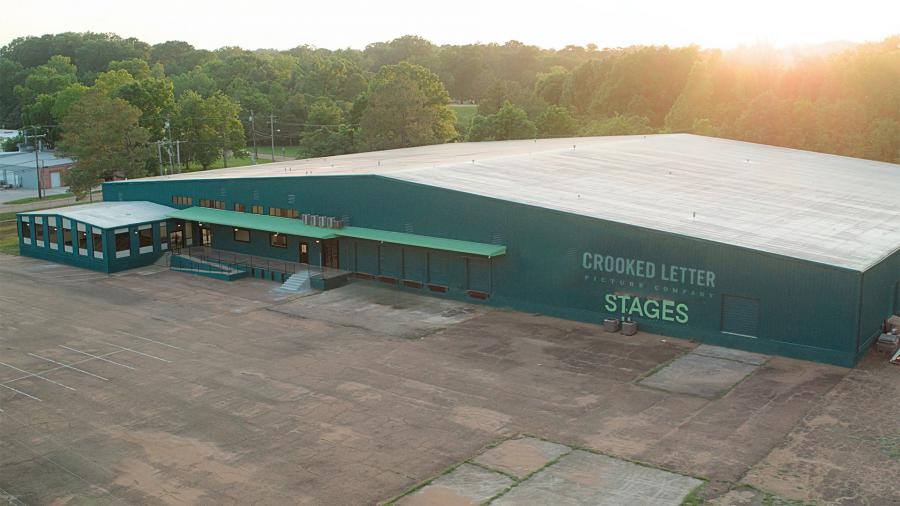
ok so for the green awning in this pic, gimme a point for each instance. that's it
(293, 226)
(253, 221)
(423, 241)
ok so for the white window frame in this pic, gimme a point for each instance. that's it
(163, 236)
(39, 220)
(27, 240)
(97, 254)
(67, 223)
(79, 229)
(55, 220)
(145, 249)
(124, 253)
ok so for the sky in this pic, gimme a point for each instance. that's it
(550, 23)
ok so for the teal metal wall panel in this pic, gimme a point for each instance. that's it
(575, 266)
(391, 261)
(439, 268)
(415, 264)
(740, 315)
(479, 272)
(367, 257)
(877, 301)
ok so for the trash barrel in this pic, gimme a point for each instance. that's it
(629, 328)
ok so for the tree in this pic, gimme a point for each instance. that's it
(510, 122)
(618, 125)
(556, 121)
(103, 136)
(406, 105)
(209, 126)
(46, 79)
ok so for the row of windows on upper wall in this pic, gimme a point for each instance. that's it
(214, 204)
(284, 212)
(53, 235)
(276, 240)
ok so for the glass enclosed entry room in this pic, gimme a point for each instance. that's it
(105, 236)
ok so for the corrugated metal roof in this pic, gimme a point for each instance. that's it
(293, 226)
(824, 208)
(110, 214)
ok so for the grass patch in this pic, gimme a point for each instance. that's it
(29, 200)
(464, 112)
(9, 235)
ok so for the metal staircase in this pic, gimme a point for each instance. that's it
(297, 283)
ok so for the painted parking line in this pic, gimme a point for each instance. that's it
(16, 390)
(99, 357)
(68, 366)
(37, 375)
(151, 340)
(138, 352)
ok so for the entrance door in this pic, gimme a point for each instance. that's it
(330, 253)
(55, 181)
(304, 252)
(205, 236)
(176, 240)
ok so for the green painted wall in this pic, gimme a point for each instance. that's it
(806, 310)
(109, 263)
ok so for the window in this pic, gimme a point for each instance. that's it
(54, 236)
(123, 243)
(182, 201)
(240, 208)
(67, 235)
(26, 231)
(241, 235)
(97, 243)
(163, 236)
(283, 212)
(38, 232)
(256, 209)
(277, 240)
(145, 239)
(82, 242)
(215, 204)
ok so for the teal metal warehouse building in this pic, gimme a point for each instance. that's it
(743, 245)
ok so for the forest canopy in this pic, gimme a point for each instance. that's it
(326, 102)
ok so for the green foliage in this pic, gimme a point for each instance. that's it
(618, 125)
(406, 105)
(556, 121)
(510, 122)
(210, 126)
(846, 103)
(102, 134)
(11, 144)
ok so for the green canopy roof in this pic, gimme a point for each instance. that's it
(294, 226)
(255, 221)
(423, 241)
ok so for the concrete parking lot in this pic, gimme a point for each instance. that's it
(155, 387)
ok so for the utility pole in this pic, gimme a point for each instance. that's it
(178, 153)
(159, 155)
(169, 139)
(253, 132)
(272, 133)
(225, 144)
(37, 163)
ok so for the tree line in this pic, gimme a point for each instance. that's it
(86, 90)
